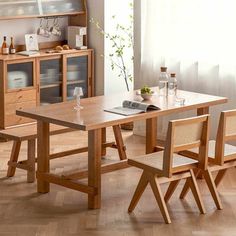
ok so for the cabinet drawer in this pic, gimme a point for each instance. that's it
(20, 96)
(12, 119)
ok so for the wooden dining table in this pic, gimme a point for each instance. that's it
(93, 119)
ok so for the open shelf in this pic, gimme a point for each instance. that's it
(75, 82)
(40, 8)
(17, 2)
(44, 86)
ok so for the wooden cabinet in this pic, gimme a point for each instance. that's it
(41, 80)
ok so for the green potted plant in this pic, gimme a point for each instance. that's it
(122, 44)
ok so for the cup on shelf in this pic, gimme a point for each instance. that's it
(55, 28)
(41, 30)
(47, 30)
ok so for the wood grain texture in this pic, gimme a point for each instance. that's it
(93, 115)
(26, 97)
(43, 154)
(151, 134)
(31, 160)
(171, 166)
(64, 211)
(94, 167)
(14, 157)
(221, 155)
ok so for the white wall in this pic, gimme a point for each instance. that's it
(120, 9)
(96, 41)
(97, 10)
(19, 27)
(137, 44)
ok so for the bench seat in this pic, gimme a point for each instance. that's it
(29, 133)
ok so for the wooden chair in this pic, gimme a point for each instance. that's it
(168, 166)
(221, 155)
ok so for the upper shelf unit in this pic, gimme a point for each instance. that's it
(39, 8)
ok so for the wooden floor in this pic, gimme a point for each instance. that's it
(64, 212)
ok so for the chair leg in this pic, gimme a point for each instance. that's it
(14, 158)
(173, 185)
(159, 198)
(196, 193)
(186, 188)
(138, 192)
(212, 187)
(31, 161)
(119, 142)
(220, 176)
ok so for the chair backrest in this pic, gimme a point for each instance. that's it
(226, 132)
(185, 134)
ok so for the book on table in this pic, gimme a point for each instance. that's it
(129, 108)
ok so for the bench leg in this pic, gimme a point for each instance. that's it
(31, 161)
(14, 158)
(119, 142)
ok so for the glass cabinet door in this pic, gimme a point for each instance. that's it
(77, 75)
(20, 75)
(61, 6)
(18, 8)
(50, 81)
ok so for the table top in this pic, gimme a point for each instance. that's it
(93, 116)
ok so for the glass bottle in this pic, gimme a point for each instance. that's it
(172, 84)
(163, 82)
(5, 48)
(12, 49)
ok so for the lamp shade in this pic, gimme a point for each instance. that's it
(78, 91)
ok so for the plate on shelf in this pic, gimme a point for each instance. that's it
(73, 75)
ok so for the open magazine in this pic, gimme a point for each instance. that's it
(129, 108)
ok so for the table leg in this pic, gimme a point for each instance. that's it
(43, 154)
(202, 111)
(94, 167)
(104, 139)
(151, 134)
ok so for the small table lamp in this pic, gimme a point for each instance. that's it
(78, 92)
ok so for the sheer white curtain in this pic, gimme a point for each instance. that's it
(194, 38)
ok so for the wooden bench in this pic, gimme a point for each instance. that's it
(29, 133)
